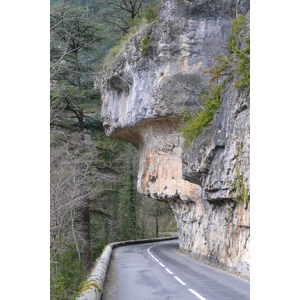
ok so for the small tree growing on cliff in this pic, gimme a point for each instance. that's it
(234, 65)
(122, 13)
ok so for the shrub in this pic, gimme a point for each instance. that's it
(238, 26)
(236, 64)
(146, 43)
(64, 283)
(194, 122)
(243, 68)
(150, 14)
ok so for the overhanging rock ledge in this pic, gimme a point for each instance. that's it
(143, 98)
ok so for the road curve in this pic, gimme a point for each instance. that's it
(157, 271)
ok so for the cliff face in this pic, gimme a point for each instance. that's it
(143, 99)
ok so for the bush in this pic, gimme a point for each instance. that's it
(150, 14)
(65, 283)
(235, 64)
(243, 68)
(194, 122)
(146, 44)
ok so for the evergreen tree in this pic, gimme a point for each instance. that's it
(72, 38)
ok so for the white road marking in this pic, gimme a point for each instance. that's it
(169, 271)
(148, 250)
(178, 279)
(196, 294)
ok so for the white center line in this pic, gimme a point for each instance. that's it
(169, 271)
(178, 279)
(196, 294)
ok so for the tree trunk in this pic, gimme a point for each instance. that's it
(74, 235)
(156, 224)
(86, 246)
(79, 115)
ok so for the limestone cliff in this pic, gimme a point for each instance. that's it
(143, 100)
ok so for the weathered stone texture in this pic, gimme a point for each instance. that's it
(143, 98)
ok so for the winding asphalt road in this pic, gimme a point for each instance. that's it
(158, 271)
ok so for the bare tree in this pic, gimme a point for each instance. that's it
(76, 184)
(121, 13)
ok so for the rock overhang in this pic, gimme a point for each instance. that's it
(168, 80)
(143, 98)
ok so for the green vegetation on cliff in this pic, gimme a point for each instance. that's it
(139, 22)
(235, 65)
(239, 187)
(146, 43)
(195, 121)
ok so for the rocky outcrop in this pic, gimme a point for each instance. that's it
(143, 98)
(219, 162)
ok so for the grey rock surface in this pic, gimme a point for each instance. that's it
(143, 98)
